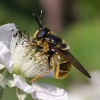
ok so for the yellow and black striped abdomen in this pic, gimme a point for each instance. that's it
(60, 66)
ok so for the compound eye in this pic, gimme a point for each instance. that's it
(41, 34)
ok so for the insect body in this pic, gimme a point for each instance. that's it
(59, 58)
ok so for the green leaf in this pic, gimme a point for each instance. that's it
(8, 78)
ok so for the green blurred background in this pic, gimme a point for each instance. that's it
(77, 22)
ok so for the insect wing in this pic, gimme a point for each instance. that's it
(69, 57)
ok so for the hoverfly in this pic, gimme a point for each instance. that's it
(59, 57)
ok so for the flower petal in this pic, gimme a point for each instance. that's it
(6, 57)
(20, 83)
(41, 91)
(49, 92)
(20, 94)
(6, 32)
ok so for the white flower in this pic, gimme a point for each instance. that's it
(22, 60)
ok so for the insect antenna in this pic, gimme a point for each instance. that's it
(39, 21)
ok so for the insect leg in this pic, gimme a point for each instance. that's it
(37, 77)
(49, 59)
